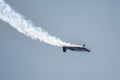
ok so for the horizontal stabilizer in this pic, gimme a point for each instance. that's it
(64, 49)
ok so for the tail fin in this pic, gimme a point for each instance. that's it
(64, 49)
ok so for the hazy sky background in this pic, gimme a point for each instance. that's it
(93, 22)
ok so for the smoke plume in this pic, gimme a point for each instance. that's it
(17, 21)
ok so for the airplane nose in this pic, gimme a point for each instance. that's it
(89, 50)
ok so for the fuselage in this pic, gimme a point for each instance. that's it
(75, 48)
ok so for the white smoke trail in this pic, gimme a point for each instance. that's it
(17, 21)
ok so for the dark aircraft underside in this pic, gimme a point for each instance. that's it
(75, 48)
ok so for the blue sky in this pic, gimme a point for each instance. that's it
(95, 23)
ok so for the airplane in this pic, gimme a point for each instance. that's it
(74, 48)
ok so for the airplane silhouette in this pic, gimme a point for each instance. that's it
(74, 48)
